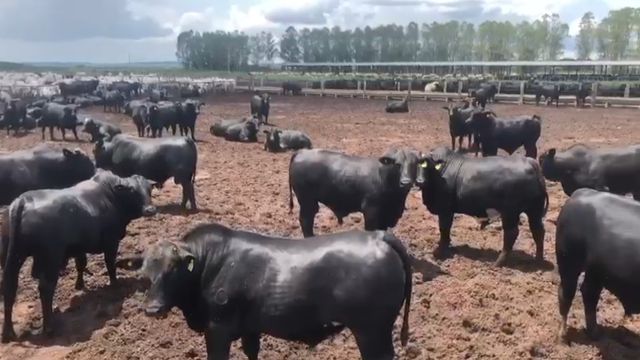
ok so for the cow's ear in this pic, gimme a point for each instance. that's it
(385, 160)
(552, 152)
(67, 153)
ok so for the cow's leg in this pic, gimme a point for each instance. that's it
(10, 275)
(453, 142)
(193, 132)
(375, 342)
(81, 266)
(64, 134)
(591, 289)
(110, 253)
(251, 346)
(50, 132)
(308, 211)
(569, 272)
(460, 141)
(44, 128)
(444, 222)
(509, 236)
(636, 196)
(75, 133)
(218, 343)
(536, 225)
(372, 219)
(531, 150)
(47, 288)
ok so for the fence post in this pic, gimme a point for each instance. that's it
(594, 94)
(398, 87)
(358, 85)
(322, 87)
(521, 93)
(459, 88)
(626, 90)
(499, 86)
(409, 87)
(261, 82)
(364, 90)
(252, 84)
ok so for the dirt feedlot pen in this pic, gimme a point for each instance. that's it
(474, 312)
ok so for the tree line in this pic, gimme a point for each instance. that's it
(615, 37)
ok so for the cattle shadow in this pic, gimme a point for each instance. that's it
(426, 268)
(18, 135)
(177, 210)
(87, 312)
(517, 259)
(614, 343)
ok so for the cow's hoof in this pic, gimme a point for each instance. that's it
(8, 335)
(79, 287)
(442, 252)
(594, 333)
(502, 259)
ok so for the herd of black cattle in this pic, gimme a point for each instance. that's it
(233, 284)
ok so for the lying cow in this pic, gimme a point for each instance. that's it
(241, 130)
(63, 117)
(346, 184)
(458, 126)
(54, 225)
(597, 233)
(550, 93)
(41, 168)
(238, 285)
(100, 130)
(155, 159)
(260, 105)
(616, 170)
(282, 140)
(454, 184)
(493, 133)
(398, 106)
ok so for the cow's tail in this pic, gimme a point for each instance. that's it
(399, 248)
(290, 185)
(543, 185)
(8, 248)
(192, 146)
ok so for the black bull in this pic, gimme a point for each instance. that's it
(346, 184)
(297, 290)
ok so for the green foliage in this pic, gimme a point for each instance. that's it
(615, 37)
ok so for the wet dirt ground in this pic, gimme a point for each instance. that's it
(473, 311)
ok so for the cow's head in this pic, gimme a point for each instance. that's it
(482, 121)
(170, 267)
(272, 140)
(77, 165)
(90, 126)
(550, 170)
(430, 166)
(103, 152)
(399, 168)
(134, 195)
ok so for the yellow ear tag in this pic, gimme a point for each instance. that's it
(424, 165)
(438, 167)
(190, 266)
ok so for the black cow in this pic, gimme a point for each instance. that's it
(54, 225)
(260, 106)
(190, 91)
(41, 168)
(62, 117)
(242, 130)
(164, 115)
(486, 93)
(100, 130)
(550, 93)
(78, 87)
(493, 133)
(282, 140)
(395, 106)
(597, 233)
(140, 118)
(124, 87)
(616, 170)
(14, 115)
(188, 117)
(156, 95)
(113, 101)
(297, 290)
(30, 122)
(458, 126)
(454, 184)
(291, 87)
(581, 94)
(130, 106)
(346, 184)
(155, 159)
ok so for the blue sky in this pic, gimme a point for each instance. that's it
(145, 30)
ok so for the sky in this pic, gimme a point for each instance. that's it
(119, 31)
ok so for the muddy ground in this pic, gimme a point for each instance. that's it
(474, 311)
